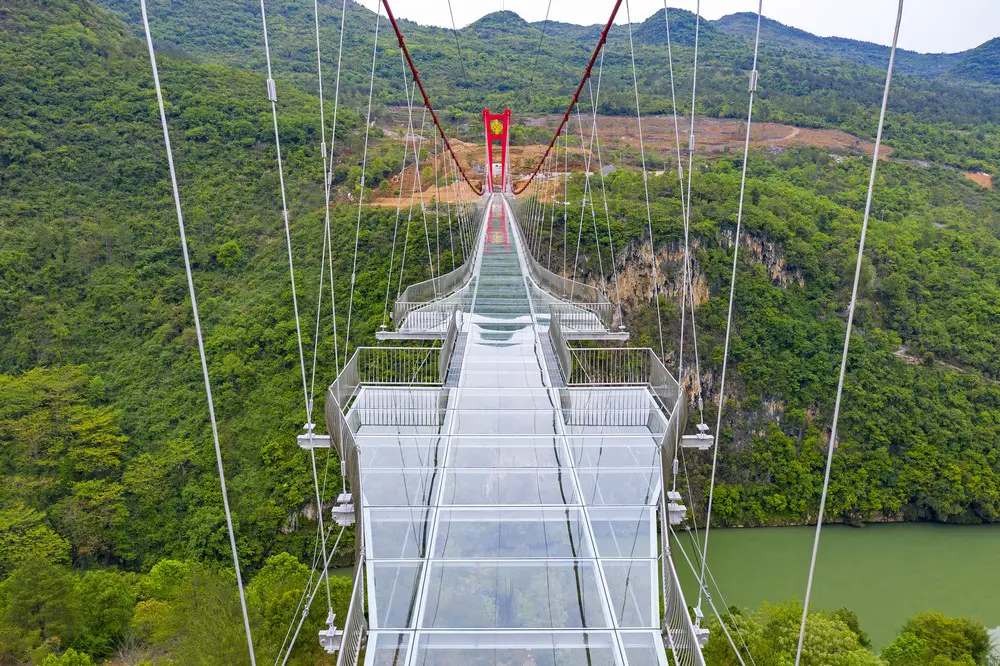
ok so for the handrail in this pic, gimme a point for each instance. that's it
(591, 317)
(563, 355)
(355, 626)
(618, 366)
(448, 346)
(564, 288)
(678, 629)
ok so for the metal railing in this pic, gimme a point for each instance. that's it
(561, 349)
(587, 317)
(398, 365)
(678, 629)
(420, 316)
(418, 296)
(620, 366)
(355, 625)
(376, 366)
(448, 346)
(563, 288)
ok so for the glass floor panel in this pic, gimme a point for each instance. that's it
(514, 595)
(577, 648)
(509, 521)
(511, 533)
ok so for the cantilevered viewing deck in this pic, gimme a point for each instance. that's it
(508, 489)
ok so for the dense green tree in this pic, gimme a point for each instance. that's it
(931, 638)
(771, 636)
(42, 601)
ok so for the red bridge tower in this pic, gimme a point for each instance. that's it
(497, 125)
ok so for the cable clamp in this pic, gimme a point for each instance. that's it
(754, 76)
(322, 149)
(272, 91)
(353, 277)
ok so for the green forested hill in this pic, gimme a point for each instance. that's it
(112, 536)
(806, 80)
(105, 449)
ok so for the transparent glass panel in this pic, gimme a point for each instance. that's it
(480, 399)
(623, 532)
(398, 487)
(644, 648)
(544, 486)
(619, 486)
(614, 451)
(521, 649)
(401, 452)
(396, 534)
(630, 585)
(387, 648)
(507, 452)
(522, 533)
(521, 595)
(507, 422)
(395, 592)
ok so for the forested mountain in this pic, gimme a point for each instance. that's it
(112, 538)
(806, 80)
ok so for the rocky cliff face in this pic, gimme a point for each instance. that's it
(635, 269)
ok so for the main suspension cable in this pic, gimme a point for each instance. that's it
(427, 100)
(576, 97)
(847, 335)
(197, 328)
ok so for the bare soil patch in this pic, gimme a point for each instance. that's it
(619, 143)
(980, 178)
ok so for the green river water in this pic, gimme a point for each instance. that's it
(885, 573)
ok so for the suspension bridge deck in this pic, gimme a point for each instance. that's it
(507, 516)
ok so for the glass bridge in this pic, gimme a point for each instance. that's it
(508, 490)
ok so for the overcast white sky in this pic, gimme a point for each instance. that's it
(931, 26)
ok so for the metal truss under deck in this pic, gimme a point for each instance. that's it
(510, 501)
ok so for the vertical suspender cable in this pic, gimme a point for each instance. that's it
(319, 305)
(684, 222)
(594, 102)
(451, 235)
(272, 94)
(197, 328)
(458, 42)
(847, 335)
(399, 198)
(361, 194)
(329, 186)
(413, 193)
(729, 315)
(645, 184)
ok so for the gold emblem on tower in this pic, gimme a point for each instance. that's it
(496, 126)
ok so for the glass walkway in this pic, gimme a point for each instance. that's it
(510, 501)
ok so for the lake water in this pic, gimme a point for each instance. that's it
(884, 573)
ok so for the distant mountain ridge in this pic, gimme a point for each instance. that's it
(943, 107)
